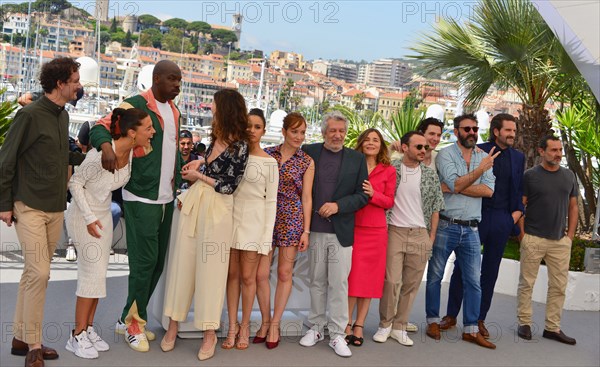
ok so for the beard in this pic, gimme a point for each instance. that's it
(465, 142)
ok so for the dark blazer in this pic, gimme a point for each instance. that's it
(517, 164)
(349, 194)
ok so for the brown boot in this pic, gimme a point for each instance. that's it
(478, 339)
(482, 329)
(433, 331)
(447, 322)
(34, 358)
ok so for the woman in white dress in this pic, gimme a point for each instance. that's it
(89, 222)
(254, 209)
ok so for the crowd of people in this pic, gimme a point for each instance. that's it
(370, 217)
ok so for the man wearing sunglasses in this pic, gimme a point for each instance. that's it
(499, 215)
(466, 177)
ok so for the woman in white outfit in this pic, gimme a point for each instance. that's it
(89, 222)
(254, 209)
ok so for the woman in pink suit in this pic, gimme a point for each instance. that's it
(370, 233)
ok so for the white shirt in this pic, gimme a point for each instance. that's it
(407, 211)
(167, 166)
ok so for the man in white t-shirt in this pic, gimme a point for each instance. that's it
(148, 197)
(412, 225)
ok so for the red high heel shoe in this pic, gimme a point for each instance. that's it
(273, 345)
(261, 339)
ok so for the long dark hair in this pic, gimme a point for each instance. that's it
(230, 120)
(123, 120)
(383, 156)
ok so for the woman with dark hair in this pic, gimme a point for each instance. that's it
(370, 233)
(292, 225)
(199, 258)
(255, 204)
(88, 216)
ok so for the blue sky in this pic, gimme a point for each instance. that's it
(318, 29)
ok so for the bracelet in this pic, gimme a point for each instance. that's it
(307, 232)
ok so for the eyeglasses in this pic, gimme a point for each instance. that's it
(185, 134)
(469, 128)
(421, 146)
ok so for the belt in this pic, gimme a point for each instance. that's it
(466, 223)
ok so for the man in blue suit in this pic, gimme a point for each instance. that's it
(499, 215)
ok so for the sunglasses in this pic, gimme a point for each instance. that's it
(421, 147)
(185, 135)
(469, 128)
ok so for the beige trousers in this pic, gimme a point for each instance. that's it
(407, 254)
(556, 254)
(38, 233)
(199, 258)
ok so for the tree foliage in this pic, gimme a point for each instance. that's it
(223, 36)
(507, 44)
(151, 37)
(176, 23)
(6, 109)
(172, 42)
(148, 20)
(199, 27)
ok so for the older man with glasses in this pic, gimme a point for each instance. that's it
(466, 177)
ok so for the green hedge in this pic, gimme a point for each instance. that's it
(577, 252)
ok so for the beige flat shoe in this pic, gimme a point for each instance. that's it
(167, 346)
(204, 355)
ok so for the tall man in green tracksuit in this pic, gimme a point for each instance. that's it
(148, 197)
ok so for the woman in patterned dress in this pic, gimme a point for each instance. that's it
(255, 206)
(292, 225)
(199, 258)
(370, 233)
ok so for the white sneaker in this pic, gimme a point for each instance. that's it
(71, 255)
(382, 334)
(137, 342)
(311, 338)
(120, 328)
(81, 346)
(402, 337)
(99, 344)
(340, 347)
(411, 328)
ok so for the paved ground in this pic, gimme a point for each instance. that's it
(450, 351)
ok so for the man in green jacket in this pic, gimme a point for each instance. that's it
(148, 197)
(33, 193)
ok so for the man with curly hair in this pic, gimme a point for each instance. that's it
(33, 189)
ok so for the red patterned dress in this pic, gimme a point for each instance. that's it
(289, 222)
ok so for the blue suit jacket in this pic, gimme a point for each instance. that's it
(517, 164)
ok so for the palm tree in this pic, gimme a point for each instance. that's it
(507, 44)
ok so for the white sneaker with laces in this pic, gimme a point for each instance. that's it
(411, 328)
(382, 334)
(120, 328)
(402, 337)
(311, 338)
(340, 347)
(137, 342)
(99, 344)
(81, 346)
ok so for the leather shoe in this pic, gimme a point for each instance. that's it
(482, 329)
(20, 348)
(447, 322)
(559, 336)
(433, 331)
(524, 332)
(478, 339)
(34, 358)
